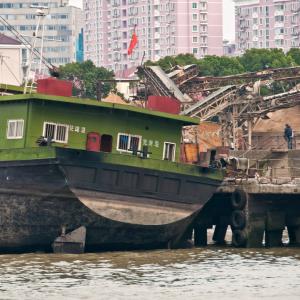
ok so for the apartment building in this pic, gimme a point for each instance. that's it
(163, 27)
(61, 27)
(267, 24)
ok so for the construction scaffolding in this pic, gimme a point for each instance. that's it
(235, 100)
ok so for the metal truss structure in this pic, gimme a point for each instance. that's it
(235, 100)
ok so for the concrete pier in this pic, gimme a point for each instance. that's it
(258, 203)
(269, 209)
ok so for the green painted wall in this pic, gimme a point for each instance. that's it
(11, 111)
(93, 119)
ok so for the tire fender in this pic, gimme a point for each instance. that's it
(239, 238)
(238, 219)
(239, 199)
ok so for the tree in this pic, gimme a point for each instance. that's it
(212, 65)
(168, 62)
(89, 74)
(294, 53)
(209, 66)
(254, 60)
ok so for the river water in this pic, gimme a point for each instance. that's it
(199, 273)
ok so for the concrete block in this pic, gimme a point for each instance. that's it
(73, 242)
(282, 180)
(263, 180)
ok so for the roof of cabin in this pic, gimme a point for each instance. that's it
(6, 40)
(94, 103)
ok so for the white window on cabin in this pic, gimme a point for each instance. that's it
(56, 132)
(169, 151)
(128, 142)
(15, 129)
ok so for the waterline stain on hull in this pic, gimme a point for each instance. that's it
(39, 197)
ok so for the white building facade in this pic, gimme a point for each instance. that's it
(267, 24)
(13, 61)
(62, 25)
(163, 27)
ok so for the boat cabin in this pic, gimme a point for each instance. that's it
(37, 120)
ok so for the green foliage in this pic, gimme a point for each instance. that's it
(168, 62)
(213, 65)
(254, 60)
(294, 53)
(90, 75)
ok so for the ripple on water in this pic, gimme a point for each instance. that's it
(190, 273)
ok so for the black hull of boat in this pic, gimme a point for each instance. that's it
(121, 207)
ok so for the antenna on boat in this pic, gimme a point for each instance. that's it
(40, 13)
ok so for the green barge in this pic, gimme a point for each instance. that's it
(114, 170)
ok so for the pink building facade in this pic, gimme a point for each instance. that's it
(267, 24)
(163, 27)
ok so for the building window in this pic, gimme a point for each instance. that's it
(57, 132)
(169, 151)
(195, 39)
(15, 129)
(128, 142)
(195, 17)
(195, 28)
(195, 50)
(194, 5)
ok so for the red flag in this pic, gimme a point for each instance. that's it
(133, 42)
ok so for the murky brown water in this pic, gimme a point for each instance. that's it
(208, 273)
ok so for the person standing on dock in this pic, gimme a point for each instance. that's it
(288, 135)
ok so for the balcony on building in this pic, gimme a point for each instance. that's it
(279, 25)
(116, 15)
(116, 47)
(156, 46)
(115, 3)
(156, 13)
(157, 35)
(279, 36)
(279, 13)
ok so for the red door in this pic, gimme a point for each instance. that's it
(93, 142)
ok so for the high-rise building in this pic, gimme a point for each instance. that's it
(60, 27)
(267, 24)
(163, 27)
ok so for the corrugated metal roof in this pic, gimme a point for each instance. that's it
(169, 84)
(89, 102)
(206, 100)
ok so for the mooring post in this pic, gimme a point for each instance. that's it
(200, 235)
(293, 226)
(220, 230)
(275, 224)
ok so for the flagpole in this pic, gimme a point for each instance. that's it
(144, 53)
